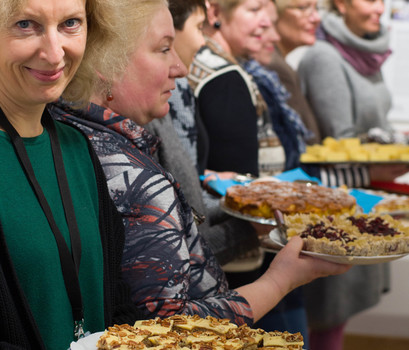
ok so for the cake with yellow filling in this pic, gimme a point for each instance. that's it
(352, 150)
(261, 198)
(192, 332)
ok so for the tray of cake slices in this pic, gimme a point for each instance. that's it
(350, 150)
(182, 332)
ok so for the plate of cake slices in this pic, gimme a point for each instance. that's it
(360, 239)
(182, 332)
(352, 151)
(258, 200)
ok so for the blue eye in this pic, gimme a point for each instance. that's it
(23, 24)
(71, 22)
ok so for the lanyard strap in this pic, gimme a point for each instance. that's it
(69, 262)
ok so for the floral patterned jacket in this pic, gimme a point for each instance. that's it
(168, 265)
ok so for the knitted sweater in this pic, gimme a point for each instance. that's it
(345, 103)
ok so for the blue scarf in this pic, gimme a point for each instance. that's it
(287, 123)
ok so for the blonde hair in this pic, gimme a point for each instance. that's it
(114, 28)
(135, 17)
(281, 5)
(103, 52)
(227, 6)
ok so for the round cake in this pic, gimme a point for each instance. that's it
(261, 198)
(182, 332)
(354, 235)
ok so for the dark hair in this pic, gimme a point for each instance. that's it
(182, 9)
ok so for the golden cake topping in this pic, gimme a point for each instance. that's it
(192, 332)
(261, 198)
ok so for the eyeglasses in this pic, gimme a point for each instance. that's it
(306, 10)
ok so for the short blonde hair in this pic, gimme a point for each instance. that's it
(135, 16)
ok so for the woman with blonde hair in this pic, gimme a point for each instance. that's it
(61, 236)
(168, 265)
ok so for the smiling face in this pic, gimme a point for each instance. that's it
(361, 16)
(297, 24)
(143, 93)
(42, 47)
(189, 40)
(243, 28)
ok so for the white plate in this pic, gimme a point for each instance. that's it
(246, 217)
(87, 343)
(341, 259)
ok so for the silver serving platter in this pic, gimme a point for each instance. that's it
(246, 217)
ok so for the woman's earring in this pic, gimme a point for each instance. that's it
(109, 96)
(217, 25)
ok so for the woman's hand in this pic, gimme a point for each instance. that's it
(290, 269)
(287, 271)
(214, 175)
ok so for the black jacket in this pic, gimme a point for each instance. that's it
(17, 326)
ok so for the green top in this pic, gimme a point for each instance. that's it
(31, 242)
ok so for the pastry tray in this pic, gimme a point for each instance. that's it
(88, 343)
(246, 217)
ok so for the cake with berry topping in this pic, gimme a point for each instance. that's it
(355, 235)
